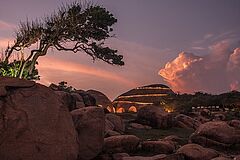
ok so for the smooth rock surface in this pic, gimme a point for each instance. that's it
(121, 143)
(34, 124)
(90, 125)
(197, 152)
(155, 117)
(217, 133)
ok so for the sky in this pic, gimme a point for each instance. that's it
(188, 45)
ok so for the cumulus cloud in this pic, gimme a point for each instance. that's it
(215, 72)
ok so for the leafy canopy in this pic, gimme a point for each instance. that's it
(74, 27)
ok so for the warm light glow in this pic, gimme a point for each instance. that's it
(168, 109)
(145, 95)
(132, 109)
(157, 88)
(132, 102)
(120, 110)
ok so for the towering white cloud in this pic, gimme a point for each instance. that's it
(215, 73)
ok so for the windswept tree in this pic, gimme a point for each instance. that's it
(74, 27)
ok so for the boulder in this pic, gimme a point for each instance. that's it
(119, 156)
(11, 83)
(103, 157)
(101, 99)
(90, 124)
(221, 158)
(237, 157)
(108, 125)
(87, 98)
(206, 113)
(219, 117)
(34, 124)
(201, 119)
(217, 133)
(155, 117)
(139, 126)
(79, 100)
(67, 99)
(110, 133)
(158, 147)
(174, 138)
(117, 121)
(121, 143)
(184, 121)
(197, 152)
(235, 123)
(157, 157)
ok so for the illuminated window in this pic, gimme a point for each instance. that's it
(132, 109)
(120, 110)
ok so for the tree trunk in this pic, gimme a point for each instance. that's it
(35, 57)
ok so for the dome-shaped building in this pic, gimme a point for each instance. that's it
(131, 101)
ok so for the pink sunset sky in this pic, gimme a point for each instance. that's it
(188, 45)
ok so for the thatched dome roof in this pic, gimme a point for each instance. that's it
(145, 95)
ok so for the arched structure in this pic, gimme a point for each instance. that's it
(120, 110)
(132, 109)
(155, 94)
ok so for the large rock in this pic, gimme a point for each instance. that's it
(219, 117)
(139, 126)
(117, 121)
(221, 158)
(177, 140)
(155, 117)
(121, 143)
(157, 157)
(237, 157)
(67, 99)
(87, 98)
(101, 99)
(34, 124)
(206, 113)
(235, 123)
(197, 152)
(158, 147)
(79, 100)
(184, 121)
(13, 83)
(217, 133)
(90, 125)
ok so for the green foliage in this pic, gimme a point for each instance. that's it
(74, 27)
(13, 69)
(62, 86)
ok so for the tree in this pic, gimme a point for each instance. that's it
(74, 27)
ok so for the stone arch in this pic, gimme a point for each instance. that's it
(132, 109)
(120, 110)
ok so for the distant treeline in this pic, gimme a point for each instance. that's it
(187, 101)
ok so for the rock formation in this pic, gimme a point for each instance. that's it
(154, 116)
(34, 123)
